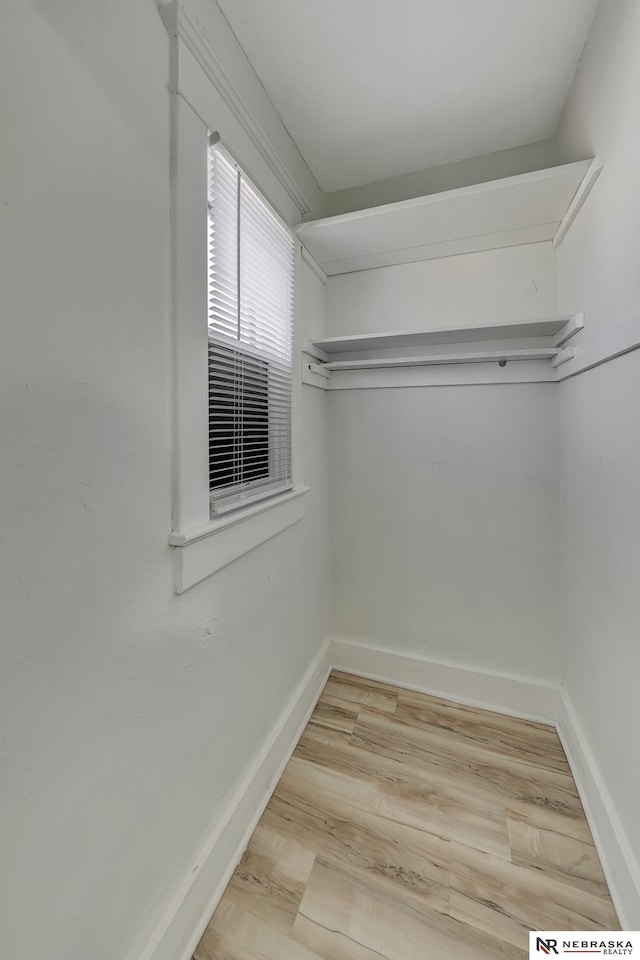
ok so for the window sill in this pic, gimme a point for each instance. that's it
(199, 553)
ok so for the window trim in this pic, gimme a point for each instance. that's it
(199, 545)
(199, 553)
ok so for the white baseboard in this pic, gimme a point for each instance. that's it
(620, 866)
(503, 694)
(185, 919)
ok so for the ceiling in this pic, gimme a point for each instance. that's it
(370, 89)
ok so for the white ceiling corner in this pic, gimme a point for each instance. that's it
(371, 89)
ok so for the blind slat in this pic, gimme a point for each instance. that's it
(251, 261)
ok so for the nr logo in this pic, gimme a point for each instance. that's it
(546, 946)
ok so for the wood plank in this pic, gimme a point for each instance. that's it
(345, 689)
(343, 918)
(409, 795)
(235, 934)
(510, 899)
(408, 864)
(270, 880)
(542, 840)
(511, 736)
(427, 748)
(341, 676)
(335, 714)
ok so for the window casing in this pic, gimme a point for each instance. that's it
(251, 274)
(202, 543)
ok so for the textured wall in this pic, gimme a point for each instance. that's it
(493, 286)
(600, 410)
(128, 714)
(444, 514)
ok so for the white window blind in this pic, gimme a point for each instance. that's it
(251, 304)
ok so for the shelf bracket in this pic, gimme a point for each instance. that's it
(565, 355)
(581, 194)
(319, 369)
(314, 370)
(573, 325)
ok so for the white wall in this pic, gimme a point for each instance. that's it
(128, 714)
(444, 500)
(492, 286)
(598, 268)
(443, 506)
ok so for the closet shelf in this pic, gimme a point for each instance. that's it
(528, 208)
(323, 361)
(557, 329)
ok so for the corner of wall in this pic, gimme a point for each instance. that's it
(619, 863)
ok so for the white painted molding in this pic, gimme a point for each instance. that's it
(181, 27)
(190, 480)
(512, 695)
(313, 263)
(313, 379)
(574, 324)
(185, 918)
(200, 552)
(314, 351)
(313, 372)
(581, 194)
(563, 356)
(616, 339)
(620, 866)
(320, 369)
(201, 547)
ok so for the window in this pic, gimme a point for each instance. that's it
(237, 469)
(251, 257)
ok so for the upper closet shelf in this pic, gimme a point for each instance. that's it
(502, 213)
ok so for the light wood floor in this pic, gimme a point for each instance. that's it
(410, 828)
